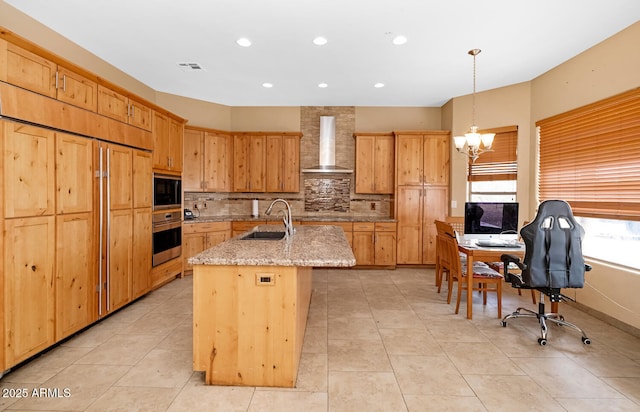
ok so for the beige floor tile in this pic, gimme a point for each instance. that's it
(352, 328)
(389, 318)
(610, 365)
(120, 350)
(598, 405)
(125, 399)
(630, 387)
(454, 329)
(364, 391)
(312, 372)
(94, 336)
(315, 340)
(181, 338)
(160, 368)
(443, 403)
(288, 401)
(160, 324)
(512, 393)
(429, 375)
(358, 355)
(484, 358)
(85, 383)
(196, 396)
(414, 341)
(46, 366)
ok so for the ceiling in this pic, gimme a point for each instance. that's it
(147, 39)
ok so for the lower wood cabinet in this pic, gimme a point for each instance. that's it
(385, 244)
(197, 237)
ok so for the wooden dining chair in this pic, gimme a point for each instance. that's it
(485, 279)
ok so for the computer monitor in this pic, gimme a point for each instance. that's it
(491, 220)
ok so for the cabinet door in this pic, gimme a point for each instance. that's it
(75, 269)
(139, 115)
(409, 159)
(435, 208)
(142, 179)
(363, 247)
(142, 251)
(409, 242)
(120, 258)
(29, 170)
(215, 238)
(192, 244)
(120, 169)
(249, 163)
(29, 296)
(385, 249)
(384, 164)
(28, 70)
(365, 171)
(274, 173)
(436, 159)
(176, 133)
(291, 164)
(112, 104)
(257, 164)
(161, 148)
(76, 89)
(218, 157)
(192, 180)
(74, 174)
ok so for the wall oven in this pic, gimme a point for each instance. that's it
(167, 192)
(167, 236)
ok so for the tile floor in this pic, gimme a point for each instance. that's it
(376, 340)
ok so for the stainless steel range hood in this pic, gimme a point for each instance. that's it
(327, 149)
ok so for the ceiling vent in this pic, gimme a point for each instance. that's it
(190, 67)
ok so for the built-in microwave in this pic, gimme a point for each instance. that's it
(167, 192)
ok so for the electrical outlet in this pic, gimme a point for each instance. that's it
(204, 205)
(195, 206)
(373, 206)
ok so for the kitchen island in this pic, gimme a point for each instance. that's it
(250, 304)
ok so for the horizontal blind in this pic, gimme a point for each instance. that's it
(590, 157)
(502, 162)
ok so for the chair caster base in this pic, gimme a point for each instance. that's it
(586, 340)
(542, 342)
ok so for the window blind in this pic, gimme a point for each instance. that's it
(590, 157)
(502, 162)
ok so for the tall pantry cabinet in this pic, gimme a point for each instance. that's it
(422, 192)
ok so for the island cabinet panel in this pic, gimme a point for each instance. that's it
(249, 323)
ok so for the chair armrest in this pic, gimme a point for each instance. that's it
(507, 258)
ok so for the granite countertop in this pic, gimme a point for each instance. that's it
(235, 218)
(310, 246)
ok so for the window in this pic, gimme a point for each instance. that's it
(590, 157)
(493, 176)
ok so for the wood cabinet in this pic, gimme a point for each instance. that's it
(249, 163)
(167, 138)
(197, 237)
(283, 170)
(385, 244)
(375, 160)
(422, 192)
(266, 162)
(239, 227)
(364, 243)
(142, 222)
(38, 74)
(125, 109)
(207, 161)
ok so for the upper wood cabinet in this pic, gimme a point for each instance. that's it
(283, 169)
(38, 74)
(120, 107)
(422, 157)
(207, 161)
(167, 138)
(249, 163)
(375, 160)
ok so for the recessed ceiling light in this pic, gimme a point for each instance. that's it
(399, 40)
(320, 41)
(378, 85)
(244, 42)
(322, 85)
(267, 85)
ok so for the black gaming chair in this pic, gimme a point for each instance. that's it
(553, 260)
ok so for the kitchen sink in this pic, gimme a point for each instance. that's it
(264, 236)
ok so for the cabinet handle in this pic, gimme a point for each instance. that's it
(64, 82)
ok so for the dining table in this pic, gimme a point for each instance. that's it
(483, 254)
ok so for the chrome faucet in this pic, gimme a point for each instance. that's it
(288, 223)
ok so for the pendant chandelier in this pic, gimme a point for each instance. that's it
(473, 144)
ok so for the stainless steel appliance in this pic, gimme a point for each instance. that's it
(167, 236)
(167, 192)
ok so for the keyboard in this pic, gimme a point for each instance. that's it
(498, 243)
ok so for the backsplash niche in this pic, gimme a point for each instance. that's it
(324, 193)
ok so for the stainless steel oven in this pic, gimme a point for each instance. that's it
(167, 192)
(167, 236)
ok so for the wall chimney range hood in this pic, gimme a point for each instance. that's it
(327, 150)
